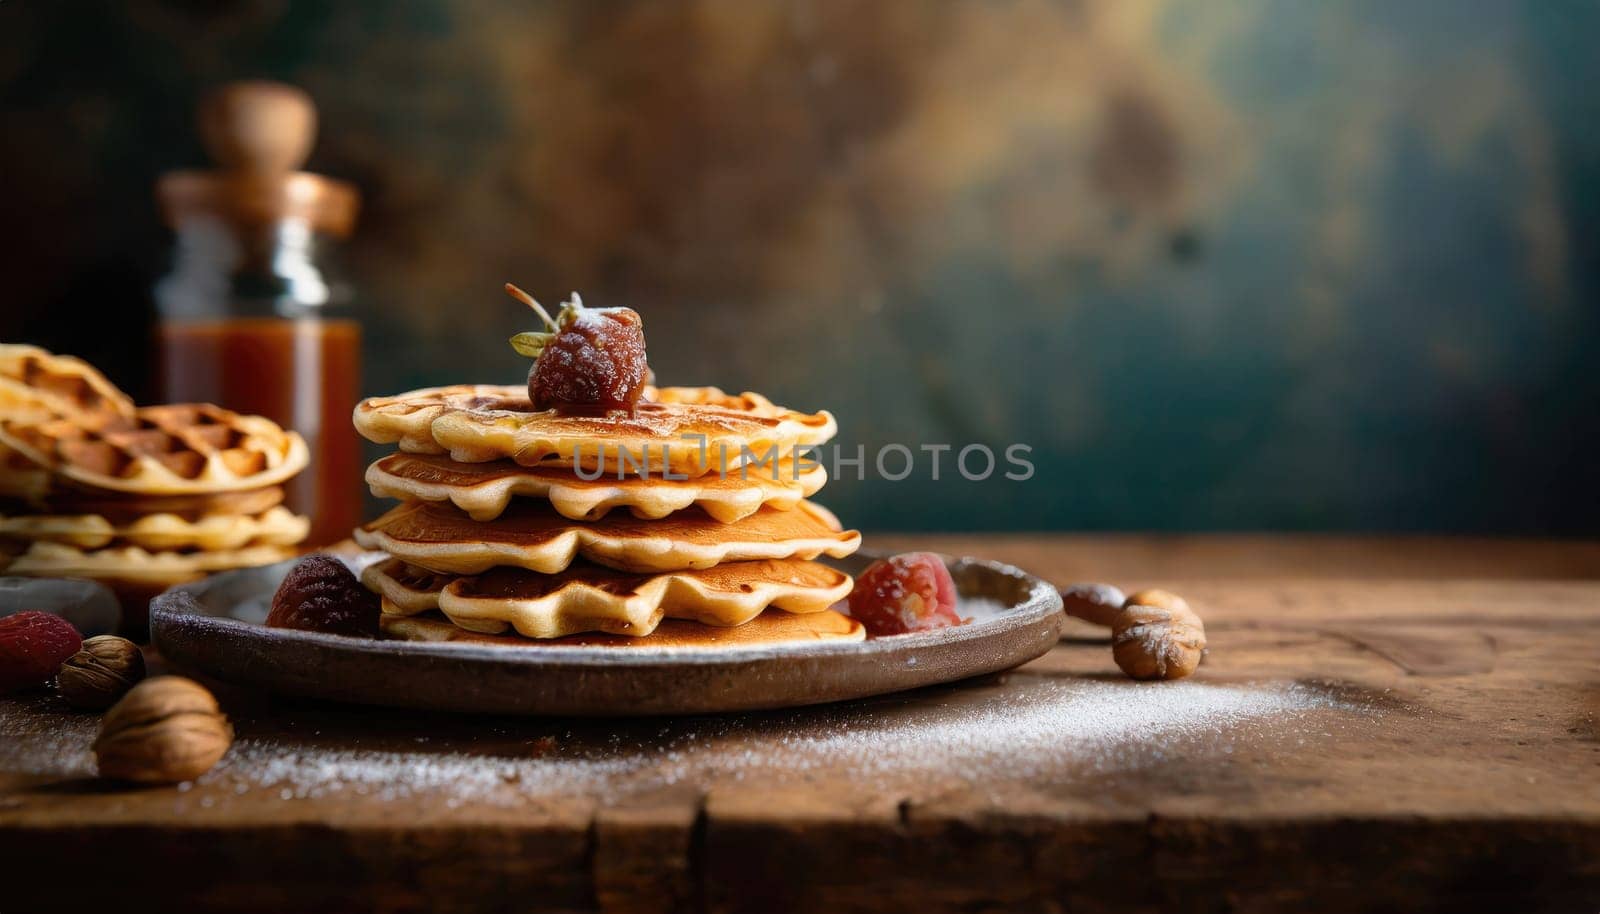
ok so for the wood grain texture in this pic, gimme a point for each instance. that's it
(1444, 754)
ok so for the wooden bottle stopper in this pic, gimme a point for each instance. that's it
(259, 127)
(260, 134)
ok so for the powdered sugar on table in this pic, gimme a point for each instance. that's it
(1035, 728)
(1056, 728)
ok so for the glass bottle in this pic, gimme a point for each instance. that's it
(252, 315)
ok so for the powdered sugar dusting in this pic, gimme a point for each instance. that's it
(1028, 728)
(34, 742)
(1054, 729)
(982, 609)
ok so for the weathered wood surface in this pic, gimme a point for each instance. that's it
(1416, 730)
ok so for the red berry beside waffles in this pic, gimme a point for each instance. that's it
(320, 594)
(911, 592)
(33, 645)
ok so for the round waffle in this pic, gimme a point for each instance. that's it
(769, 629)
(685, 431)
(407, 419)
(131, 563)
(39, 386)
(36, 385)
(179, 449)
(120, 508)
(588, 597)
(531, 535)
(483, 490)
(276, 527)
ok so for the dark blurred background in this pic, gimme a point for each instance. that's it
(1244, 265)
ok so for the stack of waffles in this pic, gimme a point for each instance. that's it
(654, 528)
(92, 486)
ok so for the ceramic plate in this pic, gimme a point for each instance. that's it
(215, 627)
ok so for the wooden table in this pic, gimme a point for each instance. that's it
(1396, 724)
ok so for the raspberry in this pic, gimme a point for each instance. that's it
(911, 592)
(33, 645)
(319, 594)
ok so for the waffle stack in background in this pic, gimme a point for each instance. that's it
(501, 537)
(140, 498)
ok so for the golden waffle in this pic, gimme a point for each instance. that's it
(132, 564)
(483, 490)
(125, 509)
(407, 419)
(766, 630)
(36, 384)
(164, 450)
(531, 535)
(588, 597)
(276, 527)
(480, 423)
(406, 589)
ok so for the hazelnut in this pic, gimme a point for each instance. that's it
(1097, 603)
(1157, 636)
(165, 730)
(101, 672)
(1164, 599)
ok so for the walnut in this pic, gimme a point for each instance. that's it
(1157, 636)
(165, 730)
(101, 672)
